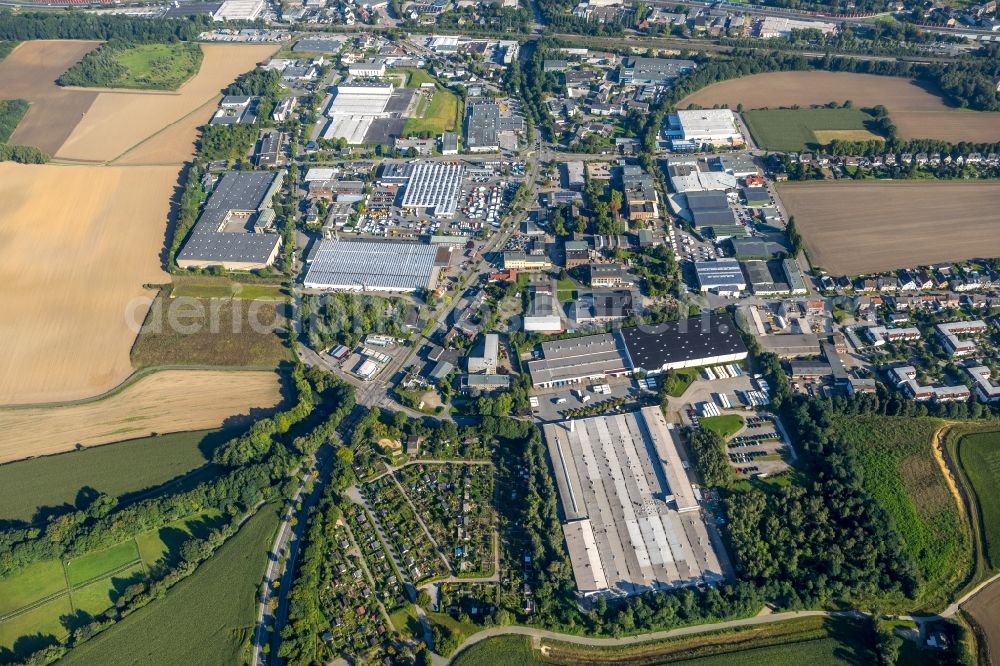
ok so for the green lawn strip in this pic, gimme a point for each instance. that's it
(34, 629)
(413, 76)
(979, 456)
(225, 289)
(98, 564)
(206, 618)
(512, 650)
(407, 623)
(34, 582)
(793, 129)
(100, 595)
(725, 425)
(55, 482)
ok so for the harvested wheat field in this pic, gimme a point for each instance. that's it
(916, 112)
(172, 145)
(30, 73)
(117, 121)
(853, 228)
(77, 244)
(168, 401)
(984, 608)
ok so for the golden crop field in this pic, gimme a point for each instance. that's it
(917, 112)
(118, 120)
(853, 228)
(167, 401)
(77, 244)
(30, 73)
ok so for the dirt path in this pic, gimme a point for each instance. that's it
(937, 446)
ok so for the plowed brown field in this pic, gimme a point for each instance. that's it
(916, 112)
(853, 228)
(117, 121)
(168, 401)
(30, 73)
(76, 245)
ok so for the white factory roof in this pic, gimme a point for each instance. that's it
(371, 265)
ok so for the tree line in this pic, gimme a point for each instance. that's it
(249, 474)
(75, 24)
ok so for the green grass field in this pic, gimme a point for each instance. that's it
(163, 545)
(54, 483)
(230, 333)
(411, 76)
(97, 597)
(11, 112)
(676, 382)
(813, 641)
(725, 426)
(35, 582)
(795, 129)
(979, 456)
(441, 114)
(142, 66)
(101, 562)
(34, 629)
(207, 618)
(229, 289)
(903, 476)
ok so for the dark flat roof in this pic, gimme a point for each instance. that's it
(652, 347)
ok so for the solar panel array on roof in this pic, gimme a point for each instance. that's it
(383, 266)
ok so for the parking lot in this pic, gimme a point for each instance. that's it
(553, 403)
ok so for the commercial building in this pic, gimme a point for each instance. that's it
(632, 518)
(950, 331)
(544, 313)
(709, 208)
(484, 358)
(777, 26)
(236, 228)
(284, 108)
(434, 186)
(709, 339)
(239, 10)
(318, 45)
(573, 172)
(591, 357)
(714, 127)
(600, 307)
(236, 110)
(374, 68)
(653, 71)
(485, 125)
(721, 276)
(609, 275)
(267, 153)
(641, 199)
(521, 261)
(449, 143)
(577, 253)
(371, 266)
(796, 281)
(354, 108)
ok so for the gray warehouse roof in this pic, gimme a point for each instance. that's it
(386, 266)
(687, 340)
(219, 236)
(578, 358)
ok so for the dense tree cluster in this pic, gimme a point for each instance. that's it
(79, 25)
(343, 319)
(709, 450)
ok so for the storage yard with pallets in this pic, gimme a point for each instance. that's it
(917, 112)
(854, 228)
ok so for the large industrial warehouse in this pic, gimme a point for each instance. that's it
(633, 522)
(590, 357)
(371, 266)
(709, 339)
(236, 229)
(353, 110)
(434, 186)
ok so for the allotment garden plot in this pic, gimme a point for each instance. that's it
(853, 228)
